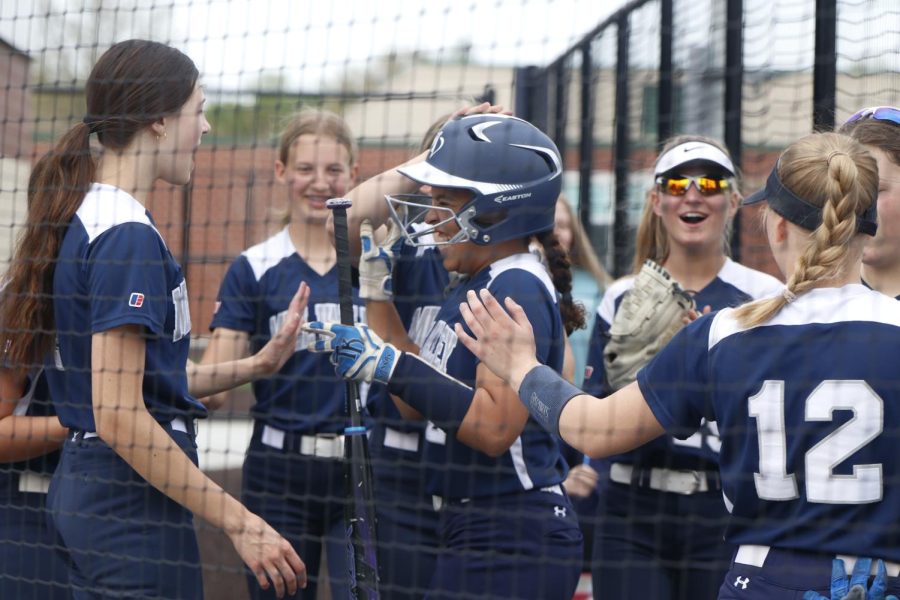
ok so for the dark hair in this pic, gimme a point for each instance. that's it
(134, 84)
(561, 272)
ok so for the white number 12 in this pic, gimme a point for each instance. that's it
(822, 485)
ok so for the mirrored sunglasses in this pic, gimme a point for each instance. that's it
(879, 113)
(678, 185)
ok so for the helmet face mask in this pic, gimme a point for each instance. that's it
(410, 211)
(511, 168)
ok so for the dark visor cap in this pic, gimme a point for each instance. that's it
(800, 212)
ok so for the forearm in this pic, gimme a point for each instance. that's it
(22, 438)
(368, 202)
(383, 319)
(433, 394)
(143, 443)
(598, 427)
(209, 379)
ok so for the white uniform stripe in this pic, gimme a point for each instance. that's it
(518, 457)
(105, 206)
(269, 253)
(851, 303)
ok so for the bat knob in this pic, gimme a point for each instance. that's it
(338, 203)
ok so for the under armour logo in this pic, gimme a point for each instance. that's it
(742, 581)
(559, 511)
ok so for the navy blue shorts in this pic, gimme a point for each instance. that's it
(660, 545)
(32, 562)
(784, 575)
(408, 538)
(126, 539)
(523, 546)
(303, 498)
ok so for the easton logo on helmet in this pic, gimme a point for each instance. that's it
(501, 198)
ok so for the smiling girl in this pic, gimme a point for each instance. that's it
(660, 517)
(95, 294)
(293, 472)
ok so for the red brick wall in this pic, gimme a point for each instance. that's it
(15, 105)
(235, 203)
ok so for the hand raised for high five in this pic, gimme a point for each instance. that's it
(503, 341)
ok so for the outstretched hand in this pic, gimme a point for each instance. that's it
(356, 351)
(855, 586)
(283, 344)
(503, 341)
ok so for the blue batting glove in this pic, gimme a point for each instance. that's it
(855, 587)
(356, 351)
(376, 263)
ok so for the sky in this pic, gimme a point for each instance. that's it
(309, 41)
(311, 44)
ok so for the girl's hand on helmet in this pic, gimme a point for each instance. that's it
(485, 108)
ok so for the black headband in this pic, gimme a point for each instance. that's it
(800, 212)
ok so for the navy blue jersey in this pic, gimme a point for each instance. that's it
(808, 405)
(34, 403)
(114, 269)
(534, 460)
(305, 395)
(419, 283)
(734, 285)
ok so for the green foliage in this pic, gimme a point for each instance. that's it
(249, 122)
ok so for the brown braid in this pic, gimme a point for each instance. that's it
(835, 172)
(560, 271)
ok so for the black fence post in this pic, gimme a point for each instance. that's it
(665, 117)
(530, 95)
(561, 106)
(825, 68)
(734, 96)
(621, 149)
(586, 145)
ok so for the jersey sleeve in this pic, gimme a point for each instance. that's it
(528, 291)
(236, 302)
(676, 383)
(126, 274)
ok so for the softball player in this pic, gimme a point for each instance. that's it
(31, 563)
(127, 483)
(293, 473)
(878, 129)
(802, 385)
(660, 519)
(412, 281)
(507, 528)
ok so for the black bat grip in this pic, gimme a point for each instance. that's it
(339, 208)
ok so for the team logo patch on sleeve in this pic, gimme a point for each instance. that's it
(136, 300)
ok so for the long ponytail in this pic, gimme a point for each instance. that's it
(56, 188)
(134, 83)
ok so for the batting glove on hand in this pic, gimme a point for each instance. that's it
(855, 586)
(356, 351)
(376, 262)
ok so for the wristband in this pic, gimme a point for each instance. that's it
(544, 393)
(440, 398)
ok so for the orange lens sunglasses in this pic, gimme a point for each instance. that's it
(679, 185)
